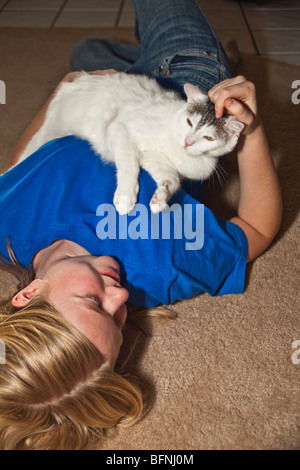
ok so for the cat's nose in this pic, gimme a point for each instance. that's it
(187, 144)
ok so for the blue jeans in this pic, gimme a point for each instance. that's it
(176, 43)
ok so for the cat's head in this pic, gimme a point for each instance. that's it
(199, 130)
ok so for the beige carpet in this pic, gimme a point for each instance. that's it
(221, 376)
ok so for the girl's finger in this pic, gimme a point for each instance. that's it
(240, 111)
(225, 83)
(243, 92)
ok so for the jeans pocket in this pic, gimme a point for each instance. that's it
(201, 68)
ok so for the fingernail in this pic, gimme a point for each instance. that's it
(229, 103)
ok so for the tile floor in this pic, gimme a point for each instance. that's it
(272, 29)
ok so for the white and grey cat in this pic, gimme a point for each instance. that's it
(134, 122)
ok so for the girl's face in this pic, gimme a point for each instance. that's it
(87, 292)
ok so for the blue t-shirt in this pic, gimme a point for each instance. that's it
(65, 191)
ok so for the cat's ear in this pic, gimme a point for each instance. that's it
(233, 126)
(194, 94)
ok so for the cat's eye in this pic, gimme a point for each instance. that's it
(189, 122)
(207, 137)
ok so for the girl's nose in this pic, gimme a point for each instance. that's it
(114, 298)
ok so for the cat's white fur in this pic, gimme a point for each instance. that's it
(132, 121)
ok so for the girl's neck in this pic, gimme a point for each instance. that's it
(57, 250)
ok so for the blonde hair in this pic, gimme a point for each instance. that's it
(56, 390)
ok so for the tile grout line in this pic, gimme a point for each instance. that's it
(5, 4)
(248, 26)
(58, 14)
(119, 13)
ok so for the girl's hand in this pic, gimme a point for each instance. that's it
(70, 77)
(103, 72)
(236, 96)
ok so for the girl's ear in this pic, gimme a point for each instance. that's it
(194, 94)
(22, 298)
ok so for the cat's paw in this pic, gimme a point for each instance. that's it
(158, 207)
(124, 203)
(158, 202)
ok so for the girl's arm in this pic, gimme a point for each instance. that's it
(37, 122)
(260, 203)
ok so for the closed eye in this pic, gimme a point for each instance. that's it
(96, 300)
(93, 302)
(189, 122)
(207, 137)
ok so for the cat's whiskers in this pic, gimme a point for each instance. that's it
(222, 175)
